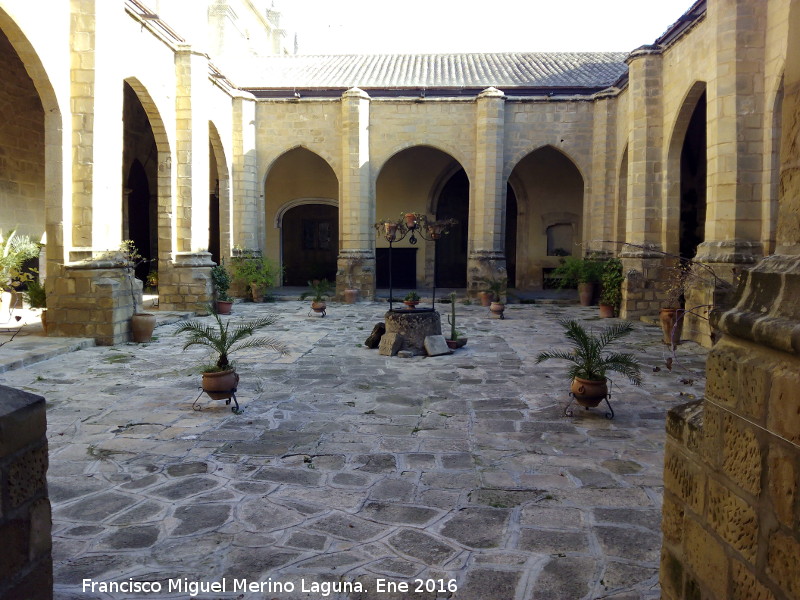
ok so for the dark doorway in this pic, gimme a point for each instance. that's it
(511, 237)
(139, 216)
(404, 268)
(310, 242)
(451, 249)
(693, 182)
(213, 224)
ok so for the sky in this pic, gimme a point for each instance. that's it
(459, 26)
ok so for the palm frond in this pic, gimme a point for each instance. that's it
(262, 342)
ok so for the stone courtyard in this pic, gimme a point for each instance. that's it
(347, 466)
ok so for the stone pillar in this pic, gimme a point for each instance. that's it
(247, 211)
(642, 258)
(736, 144)
(356, 261)
(598, 210)
(26, 570)
(732, 460)
(486, 245)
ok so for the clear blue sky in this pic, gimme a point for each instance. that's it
(442, 26)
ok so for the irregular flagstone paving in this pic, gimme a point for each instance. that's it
(348, 466)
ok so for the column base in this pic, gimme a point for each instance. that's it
(185, 282)
(484, 264)
(356, 271)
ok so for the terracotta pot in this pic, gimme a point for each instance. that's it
(587, 392)
(142, 325)
(497, 309)
(224, 307)
(319, 307)
(606, 311)
(351, 296)
(411, 304)
(668, 318)
(586, 293)
(485, 298)
(459, 343)
(410, 220)
(44, 321)
(220, 385)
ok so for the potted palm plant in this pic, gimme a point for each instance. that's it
(36, 297)
(456, 339)
(220, 378)
(590, 365)
(496, 287)
(221, 281)
(15, 250)
(318, 290)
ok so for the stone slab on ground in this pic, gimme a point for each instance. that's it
(435, 345)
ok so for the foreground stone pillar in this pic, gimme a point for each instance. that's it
(26, 569)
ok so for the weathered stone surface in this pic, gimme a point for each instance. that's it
(296, 476)
(477, 527)
(137, 536)
(374, 339)
(98, 508)
(390, 344)
(430, 550)
(564, 577)
(435, 345)
(481, 584)
(553, 542)
(347, 527)
(398, 514)
(414, 327)
(194, 518)
(185, 487)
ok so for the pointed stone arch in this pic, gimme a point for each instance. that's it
(301, 196)
(166, 220)
(56, 229)
(550, 189)
(220, 206)
(620, 226)
(685, 200)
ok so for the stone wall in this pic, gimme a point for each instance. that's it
(731, 516)
(26, 569)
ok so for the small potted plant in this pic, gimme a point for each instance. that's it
(220, 379)
(590, 365)
(673, 287)
(411, 300)
(318, 290)
(15, 250)
(142, 323)
(456, 340)
(221, 282)
(611, 294)
(497, 287)
(580, 273)
(36, 297)
(254, 272)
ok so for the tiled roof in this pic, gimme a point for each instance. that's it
(506, 71)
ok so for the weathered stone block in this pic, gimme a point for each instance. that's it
(754, 388)
(742, 454)
(672, 519)
(746, 586)
(706, 558)
(27, 476)
(722, 376)
(783, 466)
(733, 519)
(783, 563)
(390, 344)
(684, 479)
(435, 345)
(784, 405)
(671, 576)
(22, 419)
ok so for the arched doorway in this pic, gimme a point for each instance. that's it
(451, 250)
(548, 198)
(301, 194)
(213, 206)
(140, 164)
(693, 182)
(309, 240)
(511, 237)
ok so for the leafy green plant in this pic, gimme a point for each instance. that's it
(587, 357)
(14, 251)
(318, 290)
(412, 296)
(574, 270)
(221, 281)
(224, 341)
(249, 268)
(496, 286)
(35, 294)
(612, 279)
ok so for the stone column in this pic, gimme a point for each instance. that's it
(598, 213)
(736, 144)
(25, 519)
(642, 258)
(486, 245)
(732, 460)
(247, 210)
(356, 261)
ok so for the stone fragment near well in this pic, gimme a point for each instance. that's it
(414, 326)
(374, 338)
(390, 344)
(435, 345)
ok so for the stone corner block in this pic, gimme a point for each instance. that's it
(435, 345)
(390, 344)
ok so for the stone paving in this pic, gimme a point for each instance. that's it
(347, 469)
